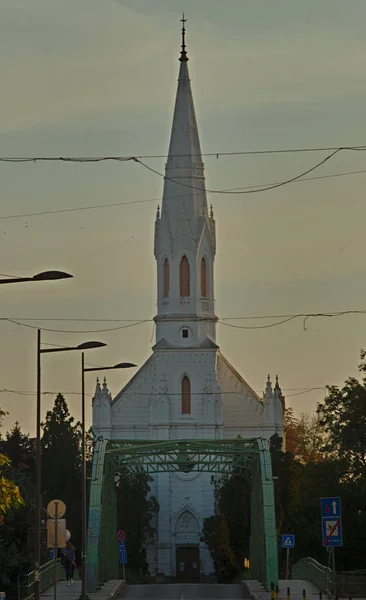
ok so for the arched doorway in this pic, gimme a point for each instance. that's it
(187, 549)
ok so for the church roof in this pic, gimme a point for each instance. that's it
(237, 375)
(136, 376)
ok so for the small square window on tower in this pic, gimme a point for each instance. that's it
(185, 333)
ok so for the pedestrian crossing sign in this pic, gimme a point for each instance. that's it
(288, 540)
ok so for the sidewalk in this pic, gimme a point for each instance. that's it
(296, 586)
(72, 592)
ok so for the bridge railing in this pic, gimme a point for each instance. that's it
(349, 584)
(319, 575)
(47, 578)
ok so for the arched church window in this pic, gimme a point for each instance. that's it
(184, 277)
(203, 279)
(166, 278)
(186, 396)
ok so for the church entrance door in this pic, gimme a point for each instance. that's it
(188, 564)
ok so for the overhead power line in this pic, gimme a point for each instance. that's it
(118, 158)
(248, 191)
(25, 321)
(203, 393)
(148, 200)
(105, 330)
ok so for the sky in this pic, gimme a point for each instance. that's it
(94, 78)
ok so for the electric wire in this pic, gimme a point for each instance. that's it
(148, 200)
(21, 322)
(243, 191)
(116, 158)
(105, 330)
(203, 393)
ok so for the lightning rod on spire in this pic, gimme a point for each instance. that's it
(183, 54)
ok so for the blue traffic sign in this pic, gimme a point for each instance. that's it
(332, 531)
(288, 540)
(122, 553)
(331, 507)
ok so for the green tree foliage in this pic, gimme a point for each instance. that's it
(15, 558)
(285, 470)
(343, 417)
(233, 504)
(136, 510)
(304, 437)
(216, 535)
(61, 463)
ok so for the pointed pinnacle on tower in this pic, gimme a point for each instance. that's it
(268, 391)
(183, 54)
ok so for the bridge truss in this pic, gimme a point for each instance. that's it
(249, 457)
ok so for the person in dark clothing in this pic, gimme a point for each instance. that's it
(69, 562)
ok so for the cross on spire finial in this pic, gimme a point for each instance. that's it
(183, 54)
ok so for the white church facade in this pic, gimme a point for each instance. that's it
(186, 389)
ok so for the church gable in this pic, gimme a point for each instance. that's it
(131, 406)
(242, 407)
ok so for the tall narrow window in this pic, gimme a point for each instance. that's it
(203, 279)
(186, 396)
(166, 278)
(184, 277)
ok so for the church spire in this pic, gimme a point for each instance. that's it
(184, 245)
(184, 185)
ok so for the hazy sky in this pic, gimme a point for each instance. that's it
(88, 77)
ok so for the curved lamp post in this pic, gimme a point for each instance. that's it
(45, 276)
(81, 347)
(122, 365)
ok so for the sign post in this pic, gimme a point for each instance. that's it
(56, 509)
(122, 550)
(288, 541)
(332, 529)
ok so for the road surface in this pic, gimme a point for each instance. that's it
(186, 591)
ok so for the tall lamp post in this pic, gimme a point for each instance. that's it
(45, 276)
(123, 365)
(40, 351)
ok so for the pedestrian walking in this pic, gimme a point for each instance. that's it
(69, 562)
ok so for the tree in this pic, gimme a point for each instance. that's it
(217, 537)
(285, 470)
(61, 463)
(342, 414)
(14, 555)
(136, 510)
(304, 437)
(232, 494)
(10, 498)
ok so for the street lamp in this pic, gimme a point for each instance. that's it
(123, 365)
(40, 351)
(45, 276)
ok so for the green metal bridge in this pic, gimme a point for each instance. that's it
(249, 457)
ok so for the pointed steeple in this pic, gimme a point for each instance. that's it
(184, 163)
(184, 244)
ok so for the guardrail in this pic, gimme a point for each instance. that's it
(47, 578)
(319, 575)
(349, 584)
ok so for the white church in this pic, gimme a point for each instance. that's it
(186, 389)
